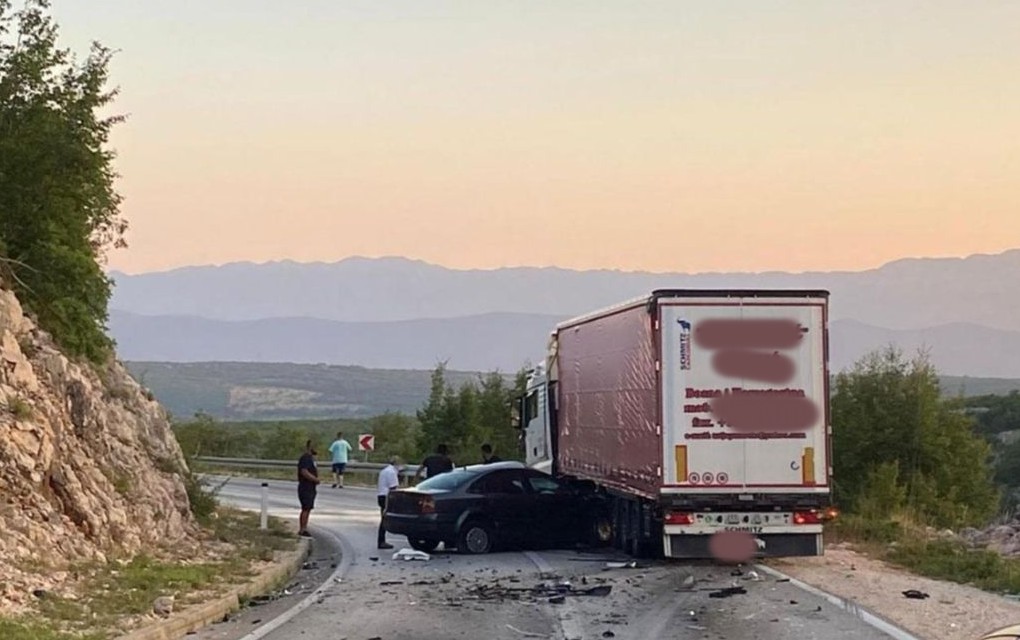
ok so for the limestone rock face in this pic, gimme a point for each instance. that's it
(89, 467)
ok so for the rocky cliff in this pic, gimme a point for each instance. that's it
(89, 468)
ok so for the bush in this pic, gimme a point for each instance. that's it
(201, 497)
(898, 445)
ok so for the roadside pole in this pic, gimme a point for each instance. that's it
(264, 517)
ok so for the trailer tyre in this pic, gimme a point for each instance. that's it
(601, 531)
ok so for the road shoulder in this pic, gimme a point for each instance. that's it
(949, 612)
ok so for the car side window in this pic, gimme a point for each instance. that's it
(501, 482)
(544, 484)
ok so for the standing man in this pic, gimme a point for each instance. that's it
(487, 456)
(438, 462)
(389, 479)
(340, 448)
(308, 480)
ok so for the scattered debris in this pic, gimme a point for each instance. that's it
(608, 634)
(553, 593)
(411, 554)
(782, 579)
(388, 583)
(621, 565)
(527, 634)
(753, 576)
(727, 592)
(915, 594)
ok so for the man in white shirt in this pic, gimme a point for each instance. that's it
(389, 479)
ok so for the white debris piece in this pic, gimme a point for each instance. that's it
(621, 565)
(411, 554)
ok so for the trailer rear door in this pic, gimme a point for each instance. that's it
(744, 394)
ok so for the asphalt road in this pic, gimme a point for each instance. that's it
(457, 596)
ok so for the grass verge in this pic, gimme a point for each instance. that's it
(108, 596)
(913, 548)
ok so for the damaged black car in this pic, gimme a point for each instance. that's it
(482, 508)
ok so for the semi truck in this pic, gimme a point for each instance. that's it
(691, 412)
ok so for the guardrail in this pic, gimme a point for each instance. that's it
(353, 465)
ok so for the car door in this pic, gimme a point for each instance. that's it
(507, 503)
(556, 508)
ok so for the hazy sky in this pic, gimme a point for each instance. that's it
(692, 136)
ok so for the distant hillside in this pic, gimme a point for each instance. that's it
(478, 343)
(264, 391)
(274, 391)
(493, 341)
(906, 294)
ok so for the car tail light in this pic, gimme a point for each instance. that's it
(830, 514)
(806, 517)
(673, 517)
(426, 504)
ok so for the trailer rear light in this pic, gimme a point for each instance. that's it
(426, 504)
(679, 518)
(806, 517)
(830, 514)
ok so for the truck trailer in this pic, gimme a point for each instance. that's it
(691, 412)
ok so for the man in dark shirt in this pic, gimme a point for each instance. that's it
(487, 456)
(438, 462)
(308, 480)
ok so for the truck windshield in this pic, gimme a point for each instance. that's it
(447, 481)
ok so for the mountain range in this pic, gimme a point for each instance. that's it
(401, 313)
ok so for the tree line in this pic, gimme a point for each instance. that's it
(463, 418)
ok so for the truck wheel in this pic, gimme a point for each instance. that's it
(428, 545)
(619, 525)
(475, 537)
(600, 531)
(633, 543)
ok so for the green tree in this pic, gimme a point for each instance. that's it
(395, 434)
(284, 443)
(430, 416)
(59, 211)
(465, 418)
(897, 442)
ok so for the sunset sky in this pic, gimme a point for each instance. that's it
(662, 136)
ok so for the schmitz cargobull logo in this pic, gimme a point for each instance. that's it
(685, 344)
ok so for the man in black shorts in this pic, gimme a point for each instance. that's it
(308, 480)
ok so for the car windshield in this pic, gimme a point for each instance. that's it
(447, 481)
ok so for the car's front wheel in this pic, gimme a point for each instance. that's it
(476, 536)
(428, 545)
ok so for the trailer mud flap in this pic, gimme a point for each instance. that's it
(776, 545)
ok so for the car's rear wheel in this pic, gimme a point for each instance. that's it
(476, 536)
(428, 545)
